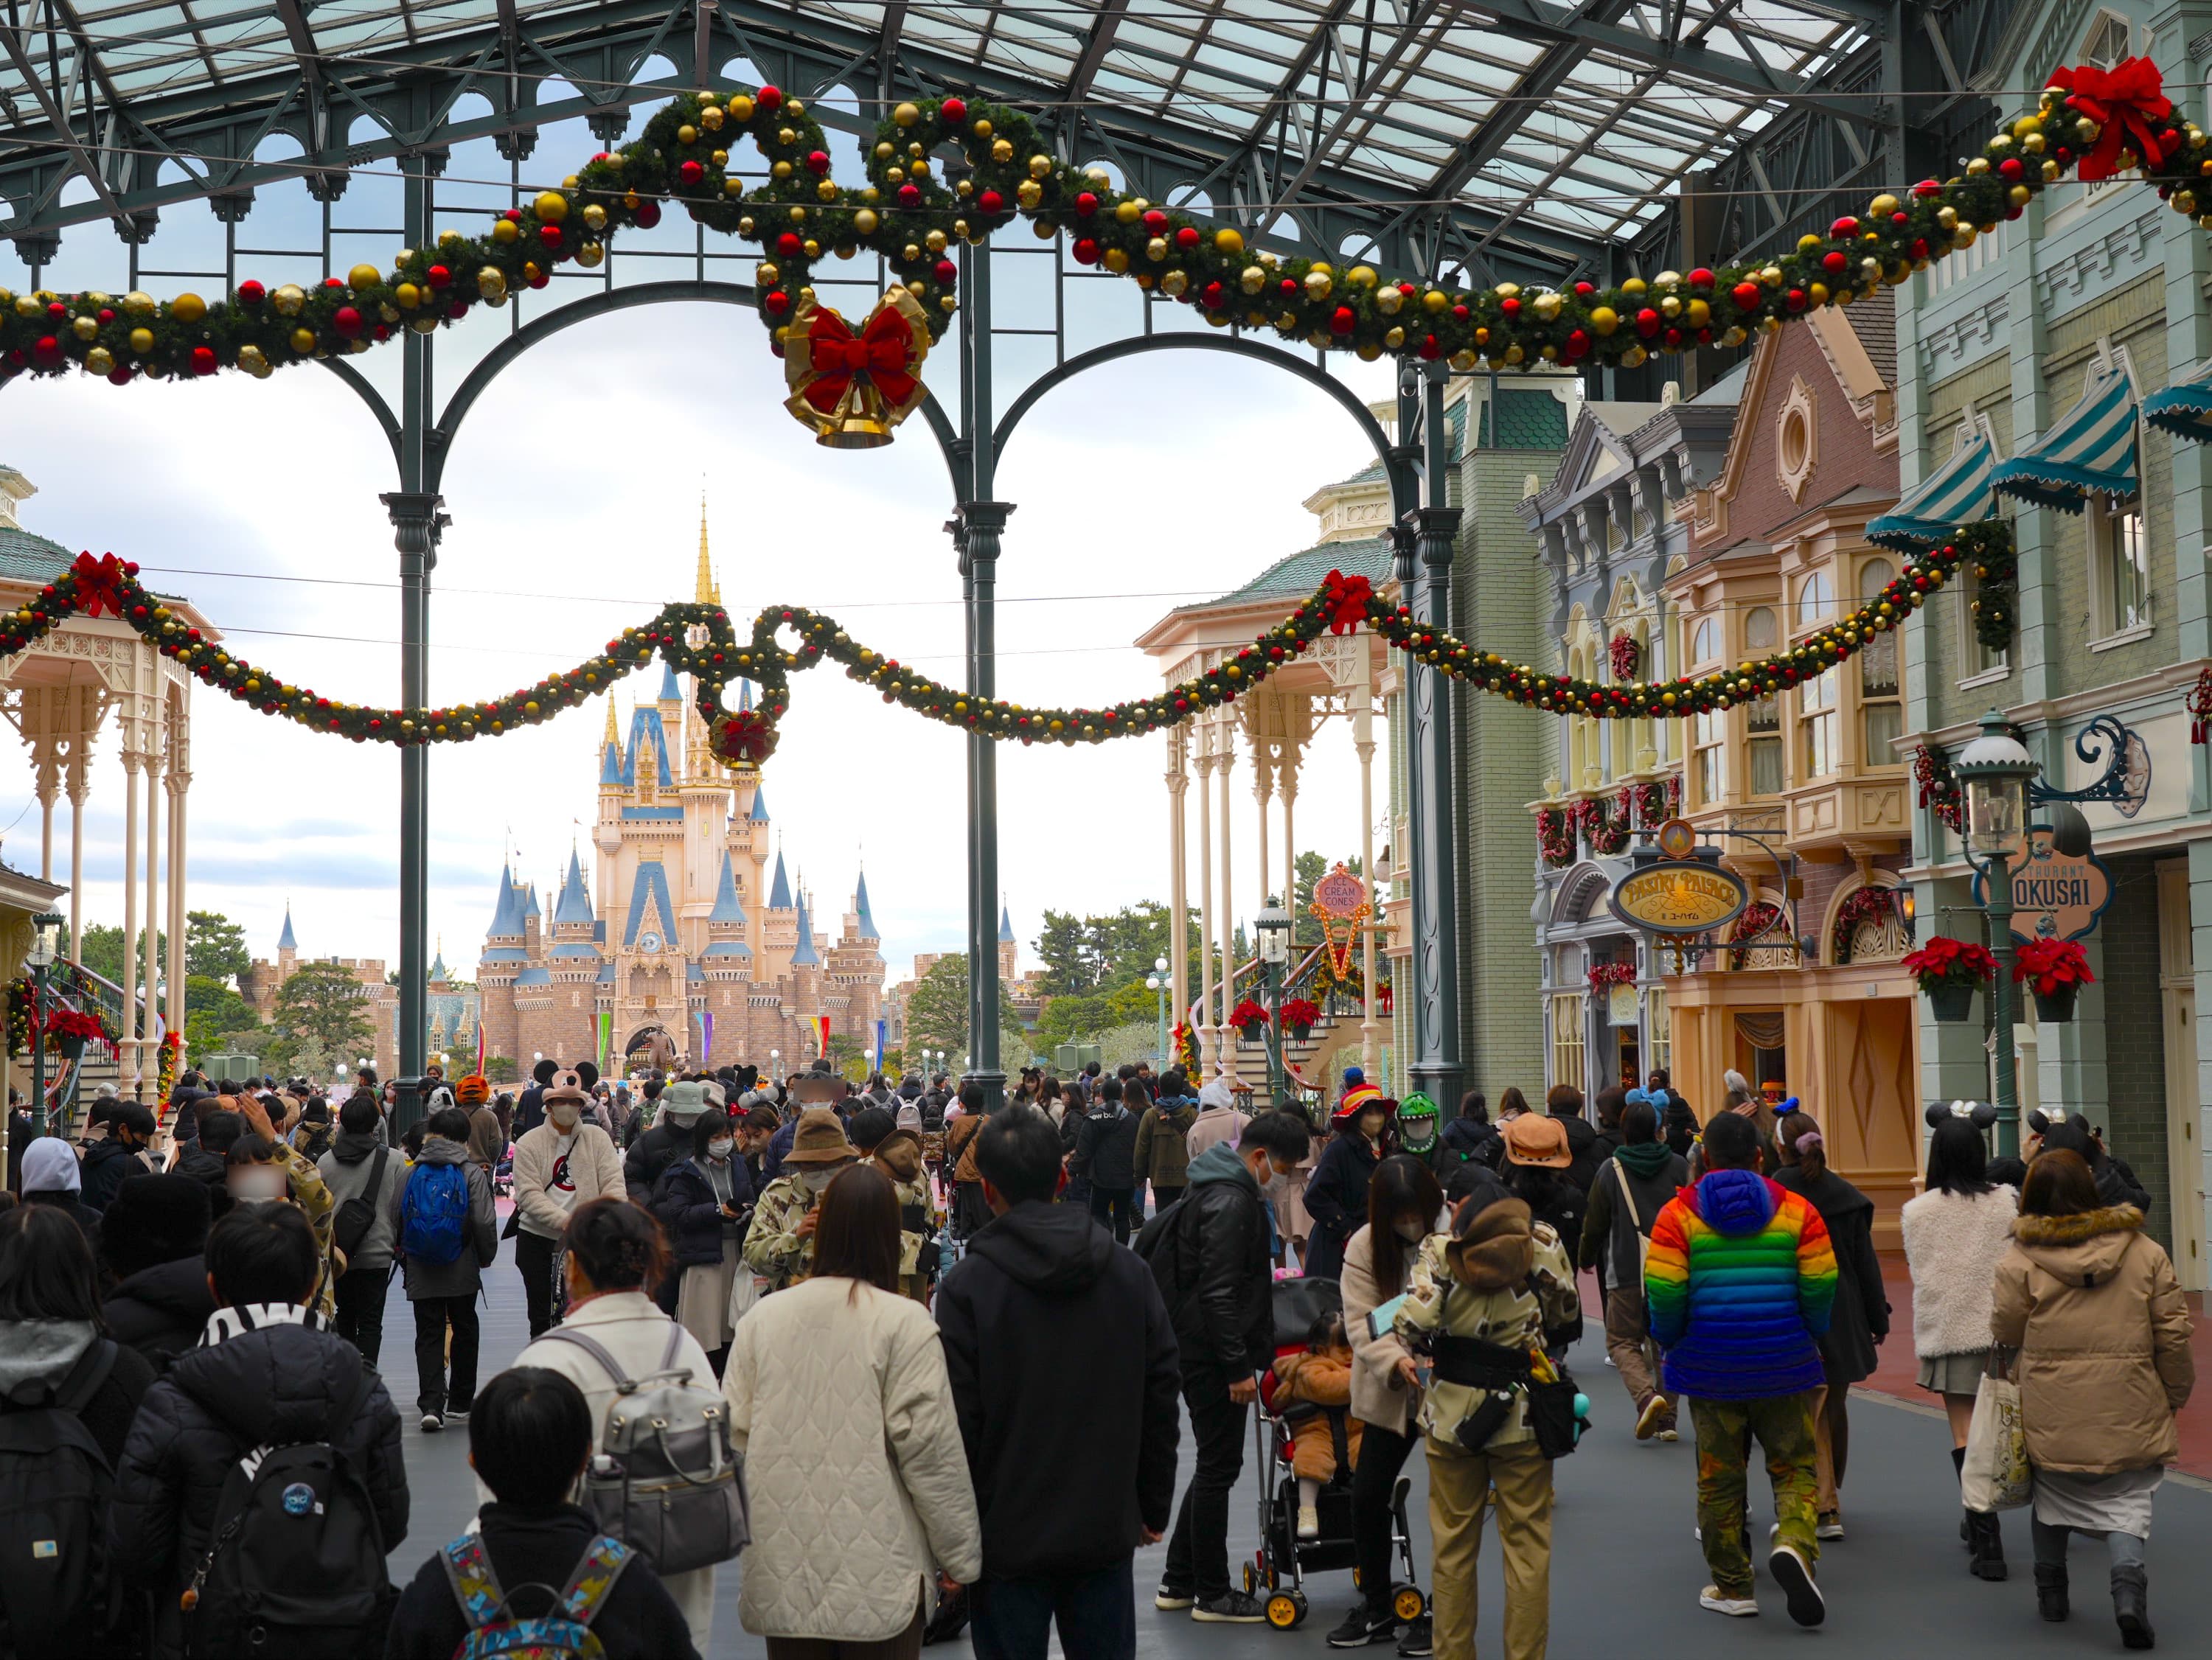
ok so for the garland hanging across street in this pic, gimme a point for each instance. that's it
(697, 639)
(2089, 124)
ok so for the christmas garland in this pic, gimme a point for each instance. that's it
(1988, 548)
(1862, 904)
(1939, 785)
(20, 996)
(1555, 835)
(698, 640)
(2200, 707)
(1605, 974)
(1658, 800)
(1758, 918)
(1607, 835)
(169, 1054)
(1624, 654)
(2089, 123)
(1186, 1049)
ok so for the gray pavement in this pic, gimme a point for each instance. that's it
(1625, 1568)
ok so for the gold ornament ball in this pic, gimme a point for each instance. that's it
(363, 277)
(288, 299)
(303, 340)
(780, 172)
(866, 220)
(491, 283)
(141, 340)
(1002, 149)
(1156, 250)
(1603, 320)
(934, 242)
(740, 107)
(407, 296)
(907, 115)
(253, 359)
(26, 306)
(1040, 167)
(710, 117)
(100, 360)
(505, 230)
(1388, 301)
(137, 304)
(1029, 193)
(595, 218)
(1319, 281)
(188, 308)
(1252, 279)
(1435, 300)
(551, 207)
(85, 327)
(687, 134)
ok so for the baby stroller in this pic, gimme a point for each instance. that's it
(1284, 1559)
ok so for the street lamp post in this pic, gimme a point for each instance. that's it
(1158, 981)
(1273, 925)
(1995, 770)
(45, 947)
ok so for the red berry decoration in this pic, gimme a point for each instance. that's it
(250, 293)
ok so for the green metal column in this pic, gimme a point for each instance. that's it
(983, 521)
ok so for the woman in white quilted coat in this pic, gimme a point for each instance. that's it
(857, 1473)
(1955, 1233)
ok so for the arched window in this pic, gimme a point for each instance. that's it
(1705, 641)
(1759, 633)
(1875, 575)
(1816, 598)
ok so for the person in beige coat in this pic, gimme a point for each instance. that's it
(840, 1400)
(614, 1252)
(559, 1164)
(2092, 1306)
(1403, 1204)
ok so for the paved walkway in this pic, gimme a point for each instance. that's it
(1626, 1570)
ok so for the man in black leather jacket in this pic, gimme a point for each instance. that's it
(1210, 1255)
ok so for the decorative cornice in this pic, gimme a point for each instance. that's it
(2126, 246)
(1978, 325)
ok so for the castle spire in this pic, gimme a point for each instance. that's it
(612, 735)
(708, 593)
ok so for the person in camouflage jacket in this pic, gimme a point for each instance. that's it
(779, 1244)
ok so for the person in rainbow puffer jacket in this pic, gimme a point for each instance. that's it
(1739, 1284)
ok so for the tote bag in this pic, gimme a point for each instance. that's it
(1995, 1475)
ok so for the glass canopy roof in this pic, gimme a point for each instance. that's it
(1566, 124)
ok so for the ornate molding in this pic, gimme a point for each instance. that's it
(2123, 248)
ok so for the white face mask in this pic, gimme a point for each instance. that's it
(1410, 1231)
(718, 1149)
(257, 1181)
(564, 1115)
(816, 1179)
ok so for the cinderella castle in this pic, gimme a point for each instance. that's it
(696, 929)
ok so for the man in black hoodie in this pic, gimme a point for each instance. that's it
(1565, 1103)
(1042, 1310)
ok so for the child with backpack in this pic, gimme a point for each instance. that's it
(448, 1234)
(537, 1576)
(262, 1486)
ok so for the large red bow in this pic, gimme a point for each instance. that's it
(746, 738)
(99, 584)
(2123, 100)
(1347, 598)
(881, 351)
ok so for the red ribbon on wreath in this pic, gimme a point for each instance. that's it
(747, 737)
(2123, 100)
(1347, 598)
(99, 584)
(879, 351)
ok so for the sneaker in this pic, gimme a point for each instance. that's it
(431, 1423)
(1737, 1607)
(1416, 1639)
(1309, 1522)
(1231, 1609)
(1647, 1420)
(1830, 1526)
(1168, 1597)
(1668, 1432)
(1362, 1627)
(1794, 1575)
(457, 1417)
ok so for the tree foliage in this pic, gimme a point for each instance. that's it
(500, 1068)
(102, 951)
(322, 1006)
(215, 947)
(937, 1013)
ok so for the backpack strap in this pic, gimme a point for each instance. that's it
(675, 1347)
(594, 1581)
(88, 1377)
(1620, 1177)
(374, 1191)
(623, 1381)
(476, 1587)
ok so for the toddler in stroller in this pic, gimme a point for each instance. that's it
(1313, 1393)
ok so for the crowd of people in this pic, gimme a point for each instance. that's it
(828, 1338)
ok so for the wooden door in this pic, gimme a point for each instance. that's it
(1870, 1117)
(2184, 1152)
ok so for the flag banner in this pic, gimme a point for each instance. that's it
(881, 1029)
(607, 1035)
(705, 1039)
(821, 1026)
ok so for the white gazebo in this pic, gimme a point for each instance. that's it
(59, 693)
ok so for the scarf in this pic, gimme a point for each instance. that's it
(1645, 1159)
(241, 1317)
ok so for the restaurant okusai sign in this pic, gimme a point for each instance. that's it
(2054, 896)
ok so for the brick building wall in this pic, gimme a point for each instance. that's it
(2134, 1069)
(1843, 454)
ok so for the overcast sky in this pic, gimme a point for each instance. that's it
(575, 488)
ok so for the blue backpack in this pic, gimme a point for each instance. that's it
(433, 1215)
(562, 1632)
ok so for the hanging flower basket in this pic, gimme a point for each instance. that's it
(1949, 972)
(2055, 970)
(1299, 1017)
(1606, 974)
(1248, 1018)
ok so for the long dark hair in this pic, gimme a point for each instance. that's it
(1811, 1157)
(1402, 1187)
(46, 1268)
(858, 1236)
(1958, 1161)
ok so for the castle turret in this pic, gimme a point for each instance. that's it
(288, 948)
(1007, 944)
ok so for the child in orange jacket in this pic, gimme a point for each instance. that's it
(1320, 1377)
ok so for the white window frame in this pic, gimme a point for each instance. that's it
(2105, 524)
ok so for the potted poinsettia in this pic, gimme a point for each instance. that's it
(2055, 970)
(1248, 1018)
(1299, 1017)
(71, 1029)
(1948, 972)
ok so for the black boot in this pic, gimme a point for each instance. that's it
(1965, 1517)
(2131, 1608)
(1988, 1560)
(2051, 1591)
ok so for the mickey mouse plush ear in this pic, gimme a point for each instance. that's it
(544, 1071)
(588, 1073)
(1980, 1114)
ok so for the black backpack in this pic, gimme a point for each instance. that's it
(297, 1567)
(1160, 1244)
(57, 1594)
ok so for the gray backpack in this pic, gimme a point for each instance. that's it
(667, 1480)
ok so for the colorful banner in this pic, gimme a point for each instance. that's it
(607, 1035)
(821, 1026)
(705, 1039)
(882, 1029)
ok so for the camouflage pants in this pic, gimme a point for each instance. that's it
(1784, 1427)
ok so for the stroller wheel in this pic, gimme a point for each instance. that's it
(1286, 1609)
(1251, 1580)
(1407, 1602)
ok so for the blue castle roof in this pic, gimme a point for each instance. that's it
(759, 815)
(670, 691)
(575, 905)
(1005, 926)
(284, 941)
(507, 910)
(727, 908)
(645, 728)
(650, 890)
(534, 976)
(727, 948)
(805, 956)
(779, 891)
(868, 930)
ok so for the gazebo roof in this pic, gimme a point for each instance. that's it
(1299, 574)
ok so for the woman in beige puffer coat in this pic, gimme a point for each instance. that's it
(2093, 1306)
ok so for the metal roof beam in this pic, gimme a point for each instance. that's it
(81, 155)
(1096, 46)
(309, 57)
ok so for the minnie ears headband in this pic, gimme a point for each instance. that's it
(1980, 1114)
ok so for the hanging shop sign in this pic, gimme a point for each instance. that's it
(2054, 896)
(1622, 1005)
(1679, 888)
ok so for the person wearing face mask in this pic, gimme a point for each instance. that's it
(261, 1170)
(1216, 1275)
(702, 1201)
(122, 1152)
(1336, 1192)
(559, 1165)
(1403, 1204)
(678, 1110)
(780, 1243)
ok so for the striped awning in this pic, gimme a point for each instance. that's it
(2089, 450)
(2183, 408)
(1957, 493)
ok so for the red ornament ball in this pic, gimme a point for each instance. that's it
(817, 163)
(1086, 204)
(250, 293)
(769, 99)
(689, 172)
(1085, 252)
(1186, 237)
(909, 196)
(1746, 295)
(946, 272)
(790, 243)
(777, 302)
(438, 276)
(550, 234)
(203, 359)
(1701, 278)
(953, 112)
(648, 215)
(991, 202)
(348, 321)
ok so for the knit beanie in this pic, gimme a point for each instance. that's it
(153, 1219)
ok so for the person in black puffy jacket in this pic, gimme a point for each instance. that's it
(1106, 1154)
(1211, 1257)
(269, 1372)
(151, 1240)
(1565, 1103)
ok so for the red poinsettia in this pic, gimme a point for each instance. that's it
(1611, 973)
(1946, 961)
(1248, 1017)
(1300, 1016)
(64, 1022)
(2051, 966)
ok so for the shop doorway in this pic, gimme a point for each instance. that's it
(2177, 981)
(1762, 1048)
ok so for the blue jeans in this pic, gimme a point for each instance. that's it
(1096, 1611)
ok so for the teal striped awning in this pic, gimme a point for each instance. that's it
(2185, 409)
(1957, 493)
(2089, 450)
